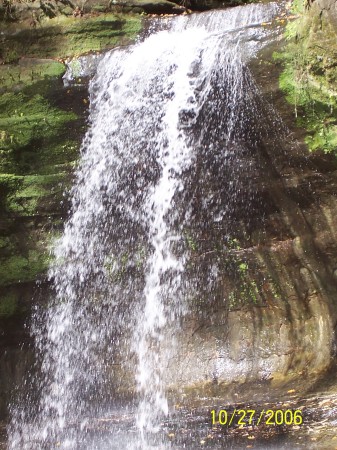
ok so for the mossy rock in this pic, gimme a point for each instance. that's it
(8, 305)
(148, 6)
(310, 75)
(63, 37)
(21, 269)
(41, 126)
(26, 72)
(37, 151)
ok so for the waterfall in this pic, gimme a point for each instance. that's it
(168, 116)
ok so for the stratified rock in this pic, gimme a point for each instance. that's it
(148, 6)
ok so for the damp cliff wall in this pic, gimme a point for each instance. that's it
(280, 321)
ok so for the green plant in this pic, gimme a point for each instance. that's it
(190, 241)
(309, 79)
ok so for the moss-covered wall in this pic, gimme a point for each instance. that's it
(309, 78)
(42, 123)
(36, 157)
(63, 36)
(41, 127)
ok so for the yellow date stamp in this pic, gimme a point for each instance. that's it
(251, 417)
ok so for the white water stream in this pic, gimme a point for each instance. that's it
(118, 275)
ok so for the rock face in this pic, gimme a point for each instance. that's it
(147, 6)
(279, 324)
(289, 331)
(269, 320)
(327, 9)
(279, 329)
(42, 123)
(282, 325)
(34, 11)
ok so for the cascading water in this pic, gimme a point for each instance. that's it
(168, 115)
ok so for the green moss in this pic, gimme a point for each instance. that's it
(28, 72)
(8, 305)
(68, 36)
(9, 185)
(314, 108)
(190, 241)
(249, 283)
(33, 190)
(274, 289)
(36, 148)
(99, 8)
(309, 78)
(39, 139)
(233, 243)
(298, 6)
(75, 67)
(22, 268)
(252, 290)
(243, 267)
(27, 125)
(248, 291)
(4, 242)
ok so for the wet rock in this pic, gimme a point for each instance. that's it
(270, 317)
(147, 6)
(42, 123)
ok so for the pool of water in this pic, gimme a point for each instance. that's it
(192, 428)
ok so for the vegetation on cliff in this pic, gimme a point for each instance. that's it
(36, 154)
(310, 74)
(41, 126)
(63, 36)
